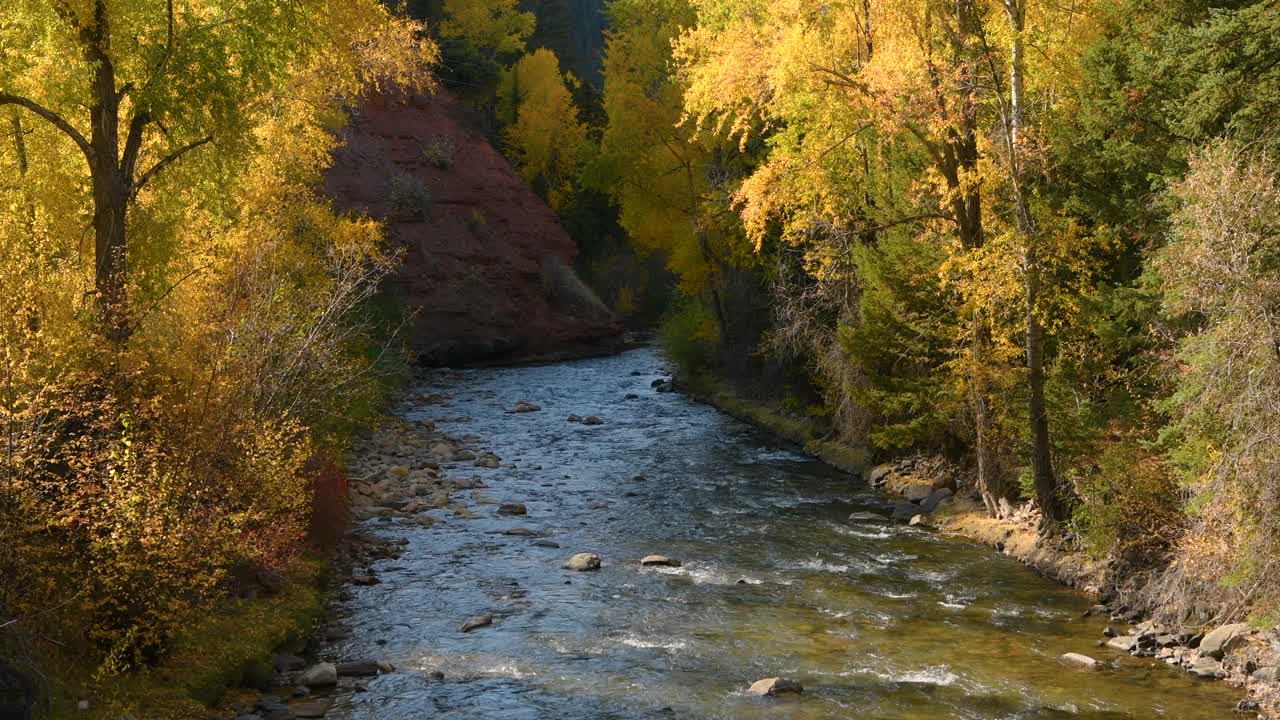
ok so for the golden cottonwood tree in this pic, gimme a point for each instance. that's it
(543, 132)
(136, 86)
(876, 117)
(496, 25)
(665, 176)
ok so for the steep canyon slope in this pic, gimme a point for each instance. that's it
(487, 268)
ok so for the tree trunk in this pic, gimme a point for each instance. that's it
(966, 206)
(111, 181)
(1048, 496)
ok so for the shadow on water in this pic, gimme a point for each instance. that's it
(877, 621)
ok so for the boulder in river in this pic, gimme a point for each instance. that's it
(774, 686)
(1123, 643)
(520, 531)
(1223, 640)
(920, 520)
(545, 543)
(524, 406)
(659, 560)
(1082, 660)
(575, 418)
(320, 675)
(864, 516)
(479, 621)
(583, 562)
(657, 382)
(666, 387)
(592, 420)
(512, 509)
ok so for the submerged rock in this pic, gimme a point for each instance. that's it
(868, 517)
(582, 562)
(545, 543)
(310, 708)
(512, 509)
(774, 686)
(592, 420)
(363, 668)
(661, 560)
(525, 406)
(479, 621)
(1081, 660)
(320, 675)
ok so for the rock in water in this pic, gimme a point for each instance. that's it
(320, 675)
(774, 686)
(1124, 642)
(310, 708)
(525, 406)
(659, 560)
(478, 621)
(592, 420)
(868, 517)
(582, 562)
(512, 509)
(1081, 660)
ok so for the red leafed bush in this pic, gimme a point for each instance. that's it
(331, 501)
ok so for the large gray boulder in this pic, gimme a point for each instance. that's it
(935, 498)
(1223, 640)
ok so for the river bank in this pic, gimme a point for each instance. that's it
(1243, 656)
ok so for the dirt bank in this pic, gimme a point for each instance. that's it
(486, 264)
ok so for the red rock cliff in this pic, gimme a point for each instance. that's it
(486, 263)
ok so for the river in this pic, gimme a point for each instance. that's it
(878, 622)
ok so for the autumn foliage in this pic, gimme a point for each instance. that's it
(160, 444)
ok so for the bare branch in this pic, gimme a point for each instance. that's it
(54, 118)
(155, 170)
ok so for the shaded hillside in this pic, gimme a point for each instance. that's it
(487, 265)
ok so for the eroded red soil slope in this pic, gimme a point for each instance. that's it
(486, 261)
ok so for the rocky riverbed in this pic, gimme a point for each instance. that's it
(667, 561)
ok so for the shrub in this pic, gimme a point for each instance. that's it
(690, 336)
(439, 151)
(408, 199)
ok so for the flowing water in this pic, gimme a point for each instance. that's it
(876, 621)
